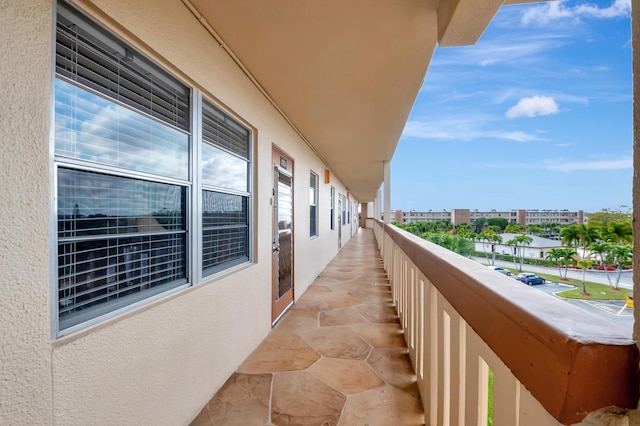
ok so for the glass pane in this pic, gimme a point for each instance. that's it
(313, 221)
(225, 235)
(97, 204)
(285, 220)
(224, 170)
(101, 275)
(91, 128)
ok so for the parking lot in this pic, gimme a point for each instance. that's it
(606, 309)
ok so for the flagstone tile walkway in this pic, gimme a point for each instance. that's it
(338, 357)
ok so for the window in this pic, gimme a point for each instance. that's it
(225, 194)
(313, 204)
(125, 195)
(344, 209)
(332, 207)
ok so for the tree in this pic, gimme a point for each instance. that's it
(585, 264)
(489, 237)
(498, 221)
(562, 257)
(605, 216)
(621, 255)
(519, 242)
(479, 224)
(494, 228)
(551, 229)
(456, 243)
(534, 229)
(586, 235)
(514, 228)
(618, 232)
(602, 250)
(462, 228)
(569, 235)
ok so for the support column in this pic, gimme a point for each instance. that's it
(387, 192)
(635, 67)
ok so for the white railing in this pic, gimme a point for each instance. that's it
(550, 363)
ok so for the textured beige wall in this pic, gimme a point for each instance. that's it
(160, 364)
(25, 356)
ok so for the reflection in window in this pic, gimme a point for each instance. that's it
(91, 128)
(225, 194)
(225, 231)
(126, 179)
(313, 204)
(117, 238)
(333, 207)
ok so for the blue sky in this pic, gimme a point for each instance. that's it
(536, 115)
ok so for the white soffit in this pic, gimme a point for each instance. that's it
(346, 73)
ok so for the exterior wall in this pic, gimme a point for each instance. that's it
(25, 357)
(459, 216)
(160, 363)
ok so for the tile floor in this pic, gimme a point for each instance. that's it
(338, 357)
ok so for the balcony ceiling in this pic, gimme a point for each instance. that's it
(345, 73)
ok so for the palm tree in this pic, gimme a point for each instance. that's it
(586, 235)
(489, 237)
(519, 242)
(619, 232)
(585, 264)
(561, 256)
(534, 229)
(554, 255)
(569, 235)
(620, 255)
(513, 228)
(602, 250)
(479, 224)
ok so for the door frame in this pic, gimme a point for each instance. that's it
(281, 163)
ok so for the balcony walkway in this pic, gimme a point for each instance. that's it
(338, 357)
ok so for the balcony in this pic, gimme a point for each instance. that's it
(479, 346)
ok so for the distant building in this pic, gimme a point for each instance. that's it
(523, 217)
(537, 249)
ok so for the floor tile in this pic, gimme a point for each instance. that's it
(346, 375)
(299, 398)
(338, 357)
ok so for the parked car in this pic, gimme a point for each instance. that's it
(499, 269)
(530, 279)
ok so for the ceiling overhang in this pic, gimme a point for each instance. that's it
(345, 73)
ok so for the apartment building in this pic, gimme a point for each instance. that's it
(521, 216)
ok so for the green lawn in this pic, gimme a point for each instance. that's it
(597, 291)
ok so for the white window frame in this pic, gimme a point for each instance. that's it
(192, 182)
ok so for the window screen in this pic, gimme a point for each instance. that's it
(225, 194)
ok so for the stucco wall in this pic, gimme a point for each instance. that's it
(160, 363)
(25, 355)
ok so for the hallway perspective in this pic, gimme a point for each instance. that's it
(338, 357)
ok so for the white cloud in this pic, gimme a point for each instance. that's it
(462, 129)
(552, 11)
(618, 8)
(533, 106)
(625, 163)
(519, 136)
